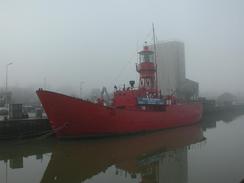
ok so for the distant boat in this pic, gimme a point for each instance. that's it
(132, 109)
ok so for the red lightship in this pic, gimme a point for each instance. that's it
(132, 110)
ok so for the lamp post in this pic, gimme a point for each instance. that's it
(7, 75)
(7, 95)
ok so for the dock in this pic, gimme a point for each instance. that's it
(23, 128)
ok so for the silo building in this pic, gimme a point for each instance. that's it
(171, 70)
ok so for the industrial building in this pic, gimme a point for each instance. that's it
(5, 98)
(171, 70)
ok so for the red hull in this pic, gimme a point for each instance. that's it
(72, 117)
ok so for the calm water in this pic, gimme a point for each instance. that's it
(212, 151)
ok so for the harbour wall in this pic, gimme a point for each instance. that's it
(23, 128)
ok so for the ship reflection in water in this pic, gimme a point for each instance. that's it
(149, 157)
(136, 157)
(171, 156)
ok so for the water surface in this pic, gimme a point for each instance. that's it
(212, 151)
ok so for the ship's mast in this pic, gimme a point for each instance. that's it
(155, 57)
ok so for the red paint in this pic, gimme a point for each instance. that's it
(75, 117)
(85, 118)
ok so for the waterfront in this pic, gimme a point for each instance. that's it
(212, 151)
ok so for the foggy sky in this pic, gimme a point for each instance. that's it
(65, 42)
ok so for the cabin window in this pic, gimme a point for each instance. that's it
(146, 58)
(141, 82)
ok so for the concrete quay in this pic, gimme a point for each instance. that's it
(23, 128)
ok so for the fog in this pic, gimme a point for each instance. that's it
(58, 44)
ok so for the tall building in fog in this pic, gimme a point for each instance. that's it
(171, 65)
(171, 70)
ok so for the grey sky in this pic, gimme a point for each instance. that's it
(96, 41)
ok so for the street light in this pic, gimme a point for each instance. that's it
(7, 75)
